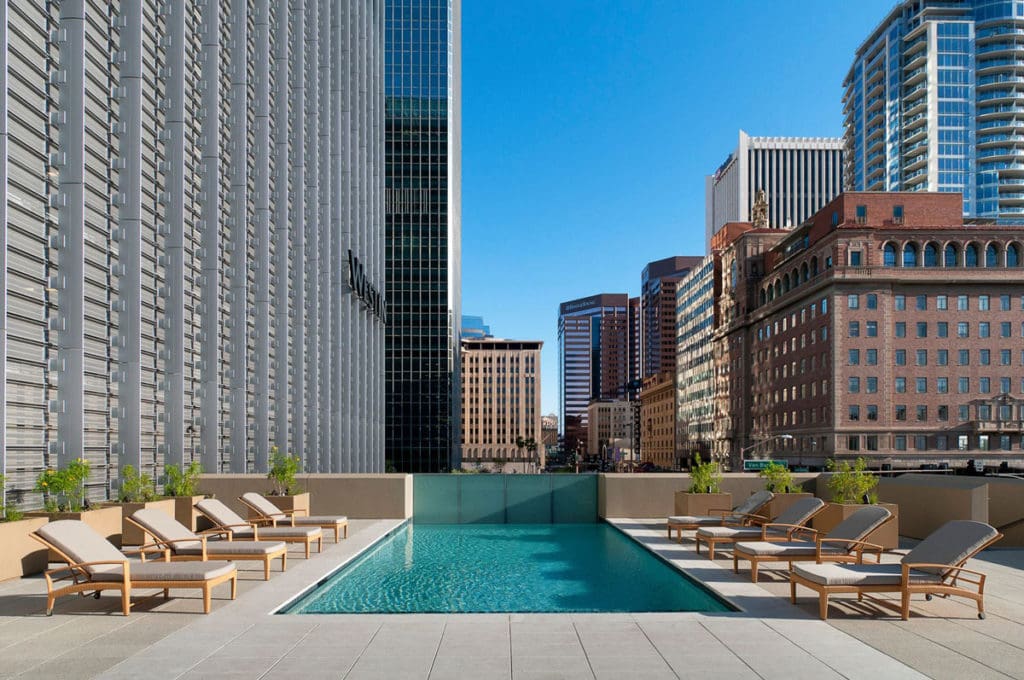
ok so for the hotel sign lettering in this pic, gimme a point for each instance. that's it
(372, 298)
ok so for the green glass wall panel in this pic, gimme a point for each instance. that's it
(436, 499)
(482, 499)
(573, 498)
(499, 499)
(528, 499)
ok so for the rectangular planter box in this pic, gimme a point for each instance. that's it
(21, 555)
(296, 502)
(781, 502)
(887, 536)
(131, 534)
(105, 520)
(185, 511)
(699, 504)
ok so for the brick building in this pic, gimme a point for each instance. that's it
(658, 420)
(883, 326)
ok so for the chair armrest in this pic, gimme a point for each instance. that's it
(959, 570)
(71, 570)
(720, 511)
(143, 550)
(791, 527)
(860, 546)
(217, 531)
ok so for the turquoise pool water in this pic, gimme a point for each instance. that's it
(507, 568)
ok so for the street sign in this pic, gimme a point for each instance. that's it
(758, 465)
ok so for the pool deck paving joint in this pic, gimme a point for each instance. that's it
(770, 638)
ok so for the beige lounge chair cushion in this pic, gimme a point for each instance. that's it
(320, 520)
(267, 508)
(171, 571)
(784, 549)
(800, 511)
(278, 532)
(166, 528)
(81, 543)
(219, 513)
(224, 516)
(753, 502)
(951, 544)
(695, 520)
(238, 548)
(832, 574)
(858, 525)
(734, 533)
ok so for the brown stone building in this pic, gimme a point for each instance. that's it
(658, 420)
(501, 403)
(658, 283)
(882, 327)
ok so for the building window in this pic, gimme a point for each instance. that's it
(897, 214)
(854, 357)
(922, 357)
(853, 385)
(962, 303)
(1004, 357)
(899, 442)
(942, 357)
(921, 385)
(853, 302)
(963, 357)
(985, 357)
(942, 385)
(963, 329)
(922, 329)
(931, 255)
(856, 258)
(971, 255)
(983, 303)
(920, 442)
(872, 329)
(853, 442)
(943, 413)
(855, 413)
(921, 302)
(824, 305)
(910, 255)
(871, 357)
(985, 385)
(899, 302)
(1004, 303)
(901, 329)
(942, 329)
(889, 255)
(984, 329)
(941, 302)
(872, 386)
(901, 385)
(1004, 388)
(901, 357)
(950, 255)
(872, 412)
(862, 214)
(871, 442)
(1004, 329)
(872, 301)
(941, 442)
(963, 385)
(854, 331)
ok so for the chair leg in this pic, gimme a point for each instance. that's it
(792, 590)
(711, 550)
(284, 561)
(308, 542)
(50, 599)
(696, 542)
(823, 605)
(320, 544)
(905, 605)
(735, 563)
(336, 533)
(266, 568)
(126, 600)
(167, 593)
(234, 585)
(206, 598)
(753, 571)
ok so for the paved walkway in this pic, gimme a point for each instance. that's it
(769, 639)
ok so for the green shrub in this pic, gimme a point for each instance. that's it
(64, 490)
(282, 473)
(136, 486)
(852, 483)
(778, 479)
(7, 513)
(705, 478)
(183, 483)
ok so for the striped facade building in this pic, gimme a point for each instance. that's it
(798, 174)
(192, 248)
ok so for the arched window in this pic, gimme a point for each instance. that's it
(778, 288)
(785, 283)
(814, 266)
(931, 255)
(950, 255)
(764, 298)
(910, 255)
(805, 274)
(1013, 255)
(971, 255)
(734, 275)
(992, 255)
(796, 278)
(889, 255)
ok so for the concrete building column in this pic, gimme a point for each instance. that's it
(281, 362)
(324, 170)
(340, 403)
(312, 255)
(3, 246)
(68, 323)
(209, 250)
(297, 144)
(261, 316)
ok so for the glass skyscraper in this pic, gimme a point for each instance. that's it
(932, 103)
(423, 149)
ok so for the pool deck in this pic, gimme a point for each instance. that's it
(768, 639)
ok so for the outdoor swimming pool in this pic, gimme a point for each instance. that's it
(423, 568)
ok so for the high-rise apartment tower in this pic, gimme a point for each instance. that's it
(658, 283)
(932, 103)
(423, 147)
(798, 175)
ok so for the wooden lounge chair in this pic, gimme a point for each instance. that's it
(94, 564)
(743, 514)
(844, 543)
(935, 566)
(274, 516)
(794, 518)
(225, 518)
(186, 545)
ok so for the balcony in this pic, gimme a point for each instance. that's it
(997, 426)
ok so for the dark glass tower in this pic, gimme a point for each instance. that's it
(423, 150)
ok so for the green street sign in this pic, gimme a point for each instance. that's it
(758, 465)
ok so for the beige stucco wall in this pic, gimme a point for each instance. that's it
(358, 496)
(652, 494)
(927, 502)
(1006, 509)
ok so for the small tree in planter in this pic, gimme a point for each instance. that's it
(283, 469)
(705, 492)
(138, 491)
(64, 490)
(183, 485)
(7, 513)
(779, 480)
(851, 486)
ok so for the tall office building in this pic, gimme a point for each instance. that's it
(187, 186)
(596, 357)
(799, 175)
(931, 104)
(501, 404)
(423, 198)
(658, 283)
(695, 368)
(474, 327)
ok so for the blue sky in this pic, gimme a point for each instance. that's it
(588, 128)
